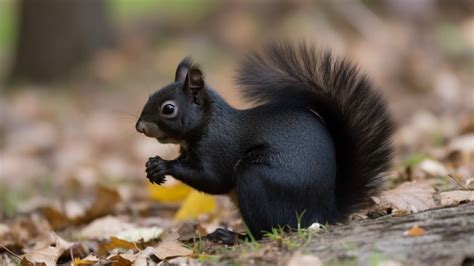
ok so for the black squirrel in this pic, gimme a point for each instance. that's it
(316, 145)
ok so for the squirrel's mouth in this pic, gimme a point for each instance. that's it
(150, 130)
(153, 131)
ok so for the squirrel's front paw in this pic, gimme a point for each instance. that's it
(156, 169)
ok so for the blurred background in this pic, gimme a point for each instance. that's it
(75, 75)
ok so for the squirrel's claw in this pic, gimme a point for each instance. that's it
(155, 169)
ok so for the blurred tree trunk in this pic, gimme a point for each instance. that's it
(57, 35)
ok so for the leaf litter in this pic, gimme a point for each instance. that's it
(81, 166)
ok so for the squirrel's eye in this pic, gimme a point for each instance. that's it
(169, 109)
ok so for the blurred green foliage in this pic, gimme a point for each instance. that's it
(132, 9)
(413, 159)
(7, 22)
(120, 11)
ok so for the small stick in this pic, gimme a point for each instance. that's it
(457, 181)
(11, 252)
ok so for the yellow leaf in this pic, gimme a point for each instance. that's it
(89, 260)
(119, 243)
(415, 231)
(174, 193)
(195, 204)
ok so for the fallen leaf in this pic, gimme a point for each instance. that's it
(89, 260)
(119, 243)
(460, 151)
(201, 231)
(170, 247)
(196, 203)
(415, 230)
(187, 231)
(452, 198)
(142, 256)
(432, 168)
(409, 197)
(60, 243)
(51, 239)
(103, 204)
(27, 230)
(470, 184)
(144, 234)
(56, 218)
(122, 259)
(48, 256)
(104, 228)
(169, 193)
(463, 143)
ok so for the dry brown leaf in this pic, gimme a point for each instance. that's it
(104, 228)
(56, 218)
(27, 230)
(48, 255)
(142, 256)
(43, 252)
(452, 198)
(201, 231)
(415, 230)
(460, 151)
(409, 197)
(103, 204)
(470, 183)
(49, 240)
(122, 259)
(170, 247)
(187, 231)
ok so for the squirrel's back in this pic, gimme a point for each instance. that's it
(353, 112)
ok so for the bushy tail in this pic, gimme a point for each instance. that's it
(353, 111)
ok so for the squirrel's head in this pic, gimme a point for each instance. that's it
(174, 112)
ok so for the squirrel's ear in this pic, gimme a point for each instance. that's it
(182, 69)
(194, 86)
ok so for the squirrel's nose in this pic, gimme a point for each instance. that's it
(140, 126)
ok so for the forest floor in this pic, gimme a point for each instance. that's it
(72, 181)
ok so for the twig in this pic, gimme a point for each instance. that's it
(72, 255)
(457, 182)
(11, 252)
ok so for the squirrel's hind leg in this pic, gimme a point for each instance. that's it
(270, 197)
(264, 201)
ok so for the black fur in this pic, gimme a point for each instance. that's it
(354, 112)
(280, 158)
